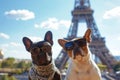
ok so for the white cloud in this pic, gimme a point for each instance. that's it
(53, 23)
(8, 47)
(65, 23)
(116, 53)
(20, 14)
(4, 47)
(113, 13)
(15, 44)
(3, 35)
(118, 38)
(36, 25)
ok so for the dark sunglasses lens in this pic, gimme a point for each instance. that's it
(69, 45)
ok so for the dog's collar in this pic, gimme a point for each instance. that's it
(42, 72)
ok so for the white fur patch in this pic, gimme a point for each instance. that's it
(86, 69)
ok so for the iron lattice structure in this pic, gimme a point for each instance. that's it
(83, 13)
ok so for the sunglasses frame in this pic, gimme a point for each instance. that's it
(80, 42)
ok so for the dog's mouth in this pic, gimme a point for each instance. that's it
(42, 63)
(44, 59)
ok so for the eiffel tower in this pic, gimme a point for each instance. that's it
(83, 13)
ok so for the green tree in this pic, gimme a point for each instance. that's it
(8, 77)
(5, 77)
(11, 78)
(23, 64)
(117, 67)
(102, 67)
(8, 63)
(0, 64)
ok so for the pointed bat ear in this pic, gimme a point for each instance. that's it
(87, 35)
(49, 37)
(62, 42)
(27, 43)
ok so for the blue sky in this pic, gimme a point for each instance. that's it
(19, 18)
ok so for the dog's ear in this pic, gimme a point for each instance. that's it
(49, 37)
(62, 42)
(27, 42)
(87, 35)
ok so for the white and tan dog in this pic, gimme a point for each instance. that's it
(81, 66)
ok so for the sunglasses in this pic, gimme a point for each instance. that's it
(80, 42)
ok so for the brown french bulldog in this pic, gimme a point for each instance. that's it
(81, 66)
(43, 67)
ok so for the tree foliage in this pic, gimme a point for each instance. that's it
(18, 66)
(102, 67)
(8, 77)
(23, 64)
(9, 62)
(117, 67)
